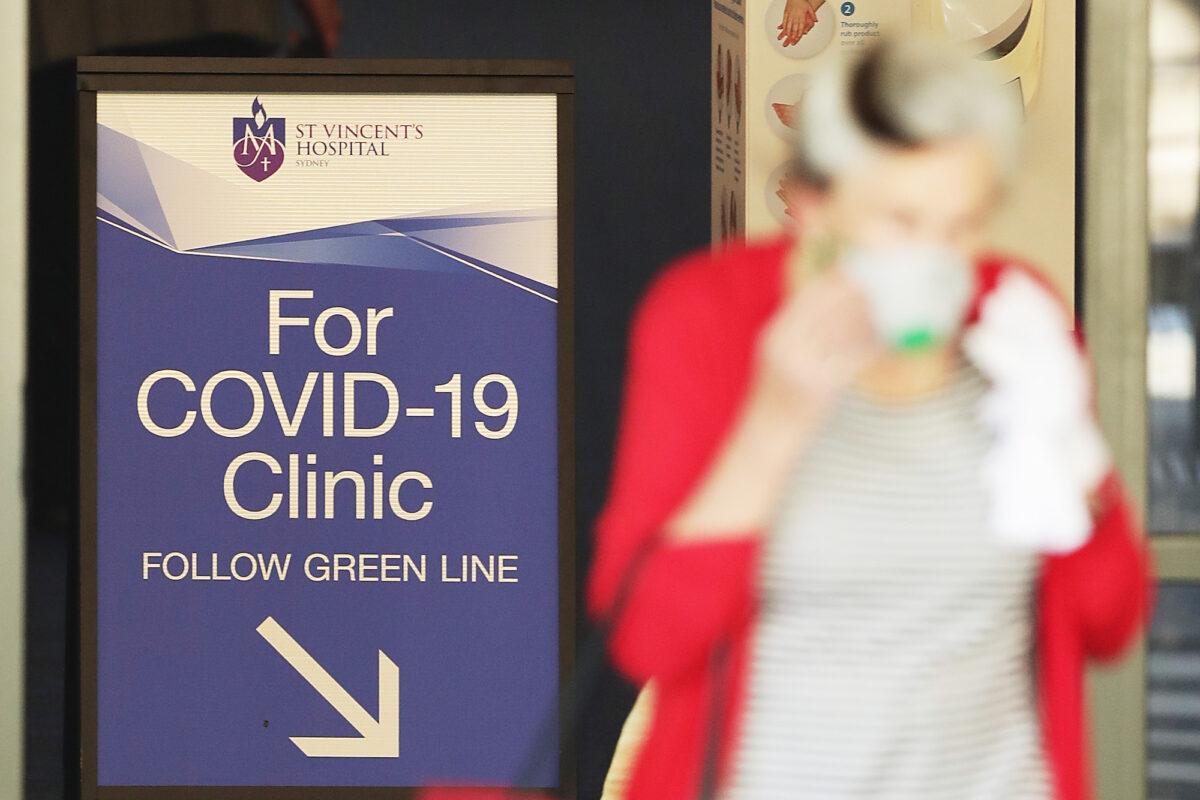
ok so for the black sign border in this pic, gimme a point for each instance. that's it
(345, 76)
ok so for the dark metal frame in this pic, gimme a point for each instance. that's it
(348, 76)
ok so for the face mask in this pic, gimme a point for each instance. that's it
(917, 294)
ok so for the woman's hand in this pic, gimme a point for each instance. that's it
(816, 344)
(818, 341)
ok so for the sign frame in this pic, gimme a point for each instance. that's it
(347, 76)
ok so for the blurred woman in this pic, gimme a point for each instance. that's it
(863, 532)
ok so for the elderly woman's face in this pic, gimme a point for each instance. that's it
(942, 194)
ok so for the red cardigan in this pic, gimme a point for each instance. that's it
(691, 348)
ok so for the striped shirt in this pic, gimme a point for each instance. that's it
(892, 656)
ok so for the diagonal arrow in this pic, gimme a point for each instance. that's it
(379, 738)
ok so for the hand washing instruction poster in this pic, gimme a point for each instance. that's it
(765, 53)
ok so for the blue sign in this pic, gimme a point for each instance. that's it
(327, 441)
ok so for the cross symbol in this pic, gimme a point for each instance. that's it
(266, 164)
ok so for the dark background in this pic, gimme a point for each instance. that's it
(642, 137)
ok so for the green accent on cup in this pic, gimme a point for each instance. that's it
(915, 339)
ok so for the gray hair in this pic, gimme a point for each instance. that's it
(902, 93)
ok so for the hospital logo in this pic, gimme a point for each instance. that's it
(258, 142)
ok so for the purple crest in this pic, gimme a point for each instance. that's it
(258, 142)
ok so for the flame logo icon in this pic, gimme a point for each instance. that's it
(257, 110)
(258, 142)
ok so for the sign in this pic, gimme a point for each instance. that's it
(325, 415)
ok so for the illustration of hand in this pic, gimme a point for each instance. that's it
(810, 19)
(785, 196)
(720, 72)
(720, 75)
(728, 76)
(799, 17)
(786, 113)
(737, 94)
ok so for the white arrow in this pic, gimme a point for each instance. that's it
(380, 738)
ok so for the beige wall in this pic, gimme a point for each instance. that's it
(12, 380)
(1037, 221)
